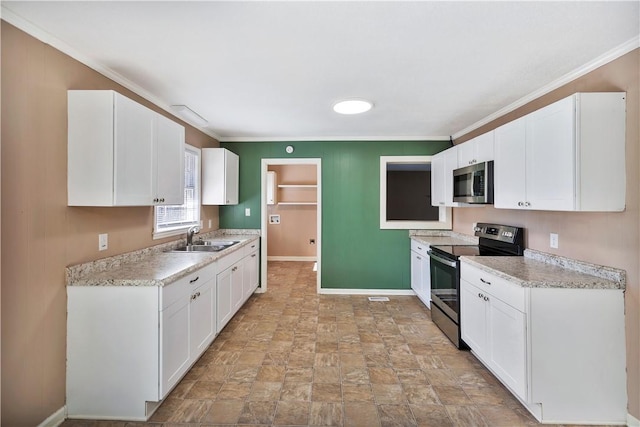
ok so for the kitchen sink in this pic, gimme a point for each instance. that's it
(206, 246)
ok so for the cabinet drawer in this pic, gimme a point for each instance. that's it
(498, 287)
(419, 247)
(252, 247)
(181, 287)
(230, 259)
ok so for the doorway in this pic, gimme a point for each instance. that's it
(302, 197)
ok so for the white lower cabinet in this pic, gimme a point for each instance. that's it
(128, 346)
(421, 272)
(175, 348)
(203, 316)
(496, 333)
(251, 271)
(236, 282)
(560, 351)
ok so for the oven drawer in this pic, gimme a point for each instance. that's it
(498, 287)
(421, 248)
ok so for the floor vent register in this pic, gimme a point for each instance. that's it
(379, 299)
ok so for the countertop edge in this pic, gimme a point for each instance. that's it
(598, 282)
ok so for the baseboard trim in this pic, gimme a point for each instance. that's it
(55, 419)
(632, 421)
(393, 292)
(292, 258)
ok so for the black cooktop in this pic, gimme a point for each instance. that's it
(457, 250)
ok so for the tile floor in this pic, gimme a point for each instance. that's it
(291, 357)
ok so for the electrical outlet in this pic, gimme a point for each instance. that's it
(209, 223)
(247, 212)
(103, 242)
(553, 240)
(274, 219)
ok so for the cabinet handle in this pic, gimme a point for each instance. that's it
(419, 248)
(527, 204)
(193, 297)
(253, 246)
(520, 204)
(485, 281)
(155, 200)
(253, 256)
(480, 295)
(162, 200)
(234, 268)
(486, 298)
(194, 280)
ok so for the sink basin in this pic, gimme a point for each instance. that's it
(206, 246)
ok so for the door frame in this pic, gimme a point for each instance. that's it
(265, 163)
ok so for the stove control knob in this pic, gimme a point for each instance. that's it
(476, 228)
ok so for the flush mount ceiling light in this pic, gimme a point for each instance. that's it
(352, 106)
(189, 115)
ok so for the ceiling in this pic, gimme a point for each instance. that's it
(266, 70)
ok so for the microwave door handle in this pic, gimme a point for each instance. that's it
(444, 261)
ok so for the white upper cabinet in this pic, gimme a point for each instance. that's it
(509, 185)
(568, 156)
(169, 161)
(476, 150)
(121, 153)
(442, 166)
(220, 168)
(437, 179)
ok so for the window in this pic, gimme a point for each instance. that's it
(405, 195)
(173, 220)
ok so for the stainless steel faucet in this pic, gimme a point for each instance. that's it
(190, 232)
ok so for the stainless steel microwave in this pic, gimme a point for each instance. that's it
(474, 184)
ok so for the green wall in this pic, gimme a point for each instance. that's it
(356, 254)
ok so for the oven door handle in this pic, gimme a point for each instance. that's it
(444, 261)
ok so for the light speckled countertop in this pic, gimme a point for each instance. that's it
(436, 237)
(541, 270)
(151, 266)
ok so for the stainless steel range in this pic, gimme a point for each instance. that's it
(494, 240)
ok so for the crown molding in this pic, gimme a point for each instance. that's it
(47, 38)
(610, 56)
(334, 138)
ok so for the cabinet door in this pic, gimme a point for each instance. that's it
(223, 299)
(450, 163)
(416, 273)
(467, 153)
(203, 317)
(133, 152)
(175, 345)
(473, 318)
(231, 177)
(169, 164)
(484, 147)
(237, 291)
(437, 180)
(507, 345)
(509, 169)
(250, 274)
(550, 157)
(426, 280)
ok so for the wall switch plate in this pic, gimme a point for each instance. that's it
(553, 240)
(274, 219)
(247, 212)
(209, 223)
(103, 242)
